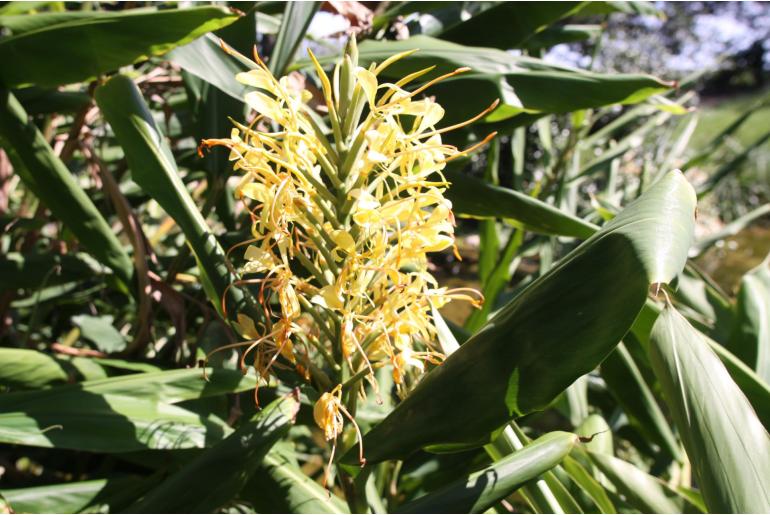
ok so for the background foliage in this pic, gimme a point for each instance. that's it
(607, 371)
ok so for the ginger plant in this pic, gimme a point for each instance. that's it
(341, 227)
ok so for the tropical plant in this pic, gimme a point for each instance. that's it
(164, 348)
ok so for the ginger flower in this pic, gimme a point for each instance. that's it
(342, 220)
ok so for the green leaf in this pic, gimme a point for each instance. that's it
(626, 384)
(509, 24)
(481, 490)
(517, 363)
(75, 48)
(523, 84)
(154, 170)
(231, 462)
(750, 338)
(644, 492)
(756, 390)
(473, 197)
(295, 22)
(69, 417)
(46, 176)
(205, 59)
(280, 486)
(172, 386)
(27, 368)
(727, 445)
(100, 331)
(588, 484)
(753, 387)
(72, 497)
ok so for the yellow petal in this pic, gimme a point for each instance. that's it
(255, 191)
(246, 327)
(344, 240)
(368, 82)
(331, 297)
(263, 104)
(257, 78)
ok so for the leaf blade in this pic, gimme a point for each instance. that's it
(727, 444)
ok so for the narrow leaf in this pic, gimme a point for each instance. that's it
(750, 339)
(481, 490)
(727, 445)
(295, 22)
(70, 497)
(629, 388)
(476, 198)
(644, 492)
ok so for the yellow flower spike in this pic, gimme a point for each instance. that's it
(337, 222)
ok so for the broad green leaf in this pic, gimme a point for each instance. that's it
(644, 492)
(29, 270)
(72, 497)
(520, 361)
(21, 23)
(205, 59)
(481, 490)
(153, 168)
(750, 339)
(82, 48)
(100, 331)
(27, 368)
(295, 22)
(509, 24)
(473, 197)
(172, 386)
(727, 445)
(121, 364)
(46, 176)
(753, 387)
(70, 417)
(280, 486)
(231, 463)
(523, 84)
(626, 384)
